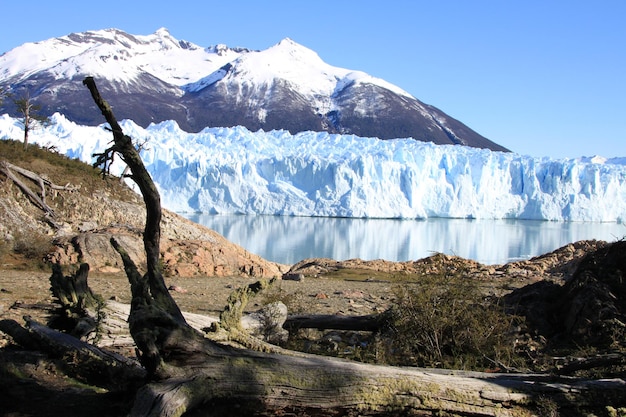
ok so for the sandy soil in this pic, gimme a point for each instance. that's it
(49, 391)
(28, 292)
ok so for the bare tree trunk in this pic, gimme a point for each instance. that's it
(26, 124)
(155, 321)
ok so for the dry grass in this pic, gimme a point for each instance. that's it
(62, 170)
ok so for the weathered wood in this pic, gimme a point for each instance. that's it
(9, 170)
(268, 384)
(20, 335)
(152, 233)
(230, 318)
(578, 364)
(78, 308)
(371, 322)
(322, 386)
(155, 320)
(113, 328)
(34, 198)
(72, 291)
(43, 182)
(88, 361)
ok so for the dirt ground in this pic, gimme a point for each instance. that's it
(43, 389)
(33, 384)
(30, 290)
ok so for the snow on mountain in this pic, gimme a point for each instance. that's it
(115, 55)
(119, 56)
(233, 170)
(299, 66)
(156, 78)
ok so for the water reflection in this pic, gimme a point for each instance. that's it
(291, 239)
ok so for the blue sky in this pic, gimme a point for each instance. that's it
(541, 77)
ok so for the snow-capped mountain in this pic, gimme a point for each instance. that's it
(156, 77)
(234, 170)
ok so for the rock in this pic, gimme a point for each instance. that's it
(293, 277)
(211, 256)
(87, 226)
(176, 288)
(588, 308)
(352, 294)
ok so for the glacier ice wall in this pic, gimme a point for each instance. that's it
(233, 170)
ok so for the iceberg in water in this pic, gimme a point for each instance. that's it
(233, 170)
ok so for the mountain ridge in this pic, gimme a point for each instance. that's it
(153, 78)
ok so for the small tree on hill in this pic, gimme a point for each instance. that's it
(29, 113)
(3, 94)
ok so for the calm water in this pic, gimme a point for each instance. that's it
(290, 239)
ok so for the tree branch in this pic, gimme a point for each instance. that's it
(38, 201)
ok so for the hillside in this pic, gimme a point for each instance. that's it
(83, 221)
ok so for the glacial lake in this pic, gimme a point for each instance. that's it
(288, 240)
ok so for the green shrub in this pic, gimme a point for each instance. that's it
(445, 321)
(277, 294)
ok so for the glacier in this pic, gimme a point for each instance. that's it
(236, 171)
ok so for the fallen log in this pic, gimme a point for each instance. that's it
(368, 323)
(41, 181)
(84, 360)
(572, 365)
(9, 170)
(270, 384)
(309, 384)
(34, 198)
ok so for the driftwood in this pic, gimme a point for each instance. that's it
(156, 323)
(98, 366)
(189, 371)
(368, 323)
(9, 171)
(571, 365)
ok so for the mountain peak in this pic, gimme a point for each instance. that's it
(287, 41)
(110, 54)
(162, 31)
(289, 46)
(167, 41)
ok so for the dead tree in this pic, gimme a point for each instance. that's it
(30, 115)
(10, 171)
(156, 322)
(189, 371)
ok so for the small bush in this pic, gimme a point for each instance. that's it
(445, 321)
(6, 247)
(546, 407)
(33, 246)
(277, 294)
